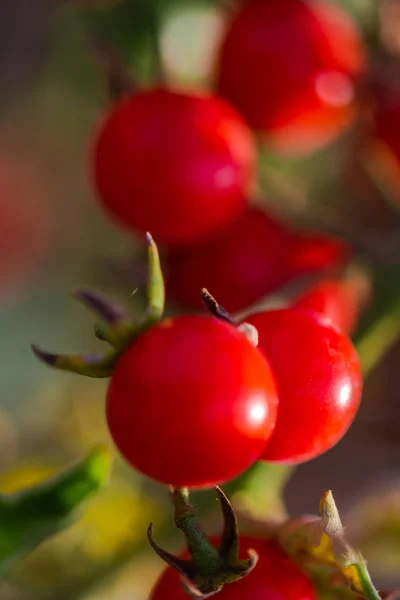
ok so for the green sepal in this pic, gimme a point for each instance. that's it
(92, 365)
(208, 569)
(155, 283)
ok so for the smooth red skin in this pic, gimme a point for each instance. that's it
(318, 379)
(275, 577)
(180, 405)
(335, 299)
(271, 61)
(175, 164)
(254, 258)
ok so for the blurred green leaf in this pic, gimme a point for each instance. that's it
(27, 518)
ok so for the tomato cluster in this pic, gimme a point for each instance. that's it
(182, 165)
(192, 400)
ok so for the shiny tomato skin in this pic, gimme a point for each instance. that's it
(175, 164)
(256, 256)
(337, 300)
(275, 577)
(191, 402)
(318, 53)
(318, 378)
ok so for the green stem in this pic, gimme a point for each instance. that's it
(260, 492)
(204, 554)
(381, 326)
(154, 31)
(369, 590)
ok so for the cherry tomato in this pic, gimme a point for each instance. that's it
(255, 257)
(318, 379)
(275, 577)
(336, 299)
(290, 67)
(192, 402)
(175, 164)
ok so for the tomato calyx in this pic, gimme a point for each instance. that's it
(208, 569)
(115, 325)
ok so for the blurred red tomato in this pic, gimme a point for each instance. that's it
(254, 258)
(290, 67)
(23, 224)
(339, 300)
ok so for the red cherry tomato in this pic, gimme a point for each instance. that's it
(336, 299)
(175, 164)
(318, 379)
(192, 402)
(275, 577)
(290, 67)
(255, 257)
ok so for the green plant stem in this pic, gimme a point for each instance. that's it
(369, 590)
(154, 31)
(380, 328)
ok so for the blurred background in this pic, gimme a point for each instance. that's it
(54, 238)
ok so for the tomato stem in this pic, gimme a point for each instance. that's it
(204, 554)
(368, 588)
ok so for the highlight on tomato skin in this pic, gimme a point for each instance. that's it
(275, 576)
(338, 300)
(318, 378)
(255, 257)
(192, 402)
(319, 55)
(173, 163)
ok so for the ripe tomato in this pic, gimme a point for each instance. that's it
(275, 577)
(318, 379)
(336, 299)
(255, 257)
(175, 164)
(192, 402)
(318, 53)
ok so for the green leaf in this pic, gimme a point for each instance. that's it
(27, 518)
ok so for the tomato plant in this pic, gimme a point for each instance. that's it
(318, 380)
(255, 257)
(191, 402)
(336, 299)
(318, 53)
(176, 164)
(275, 576)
